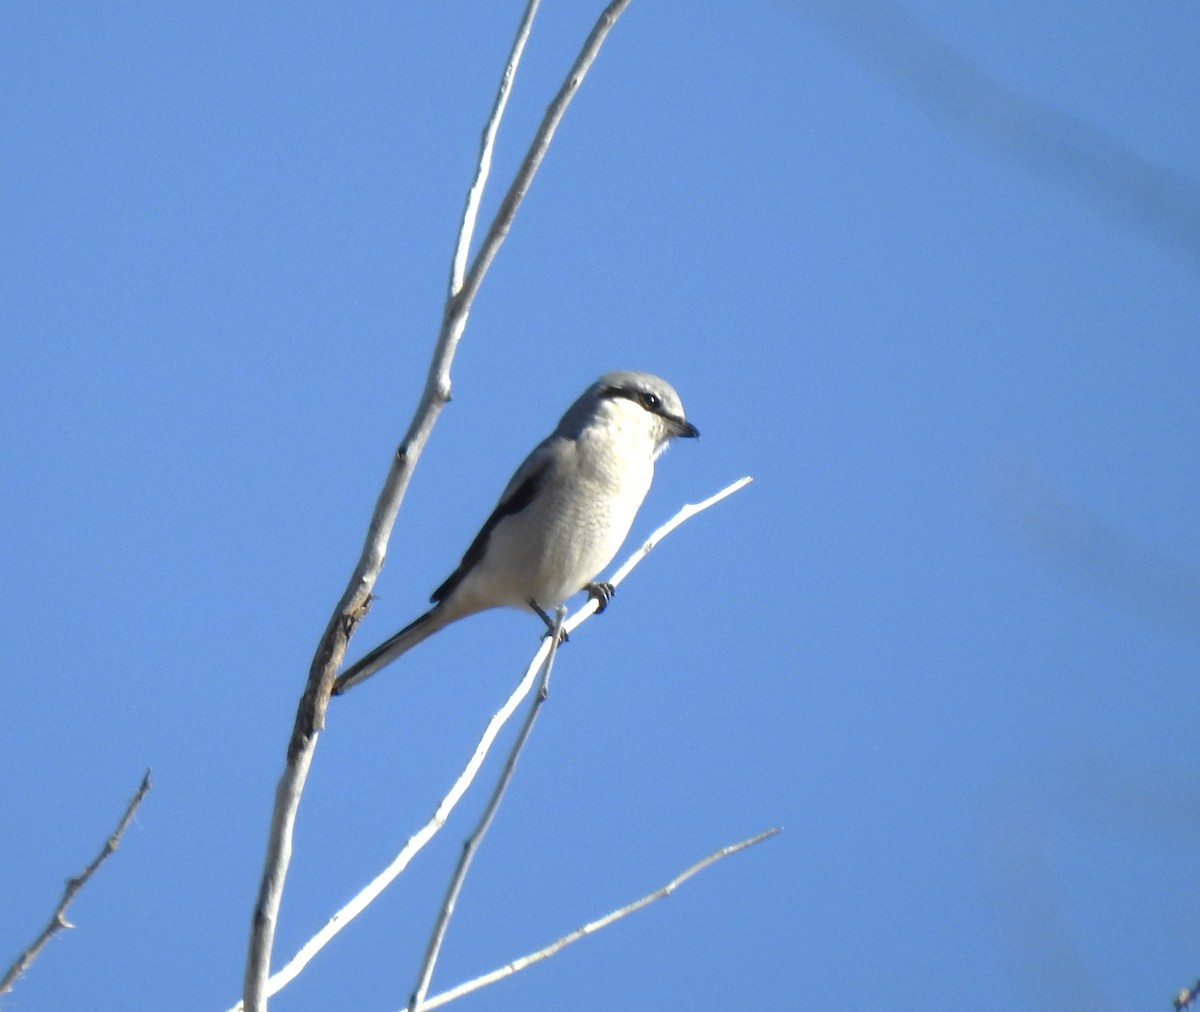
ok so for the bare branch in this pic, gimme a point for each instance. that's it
(417, 842)
(437, 1001)
(1099, 557)
(59, 919)
(416, 1002)
(414, 845)
(356, 599)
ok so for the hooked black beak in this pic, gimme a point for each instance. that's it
(684, 429)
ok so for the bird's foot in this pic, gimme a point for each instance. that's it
(601, 593)
(550, 624)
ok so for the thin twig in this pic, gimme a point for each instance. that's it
(471, 847)
(417, 842)
(537, 150)
(487, 144)
(588, 609)
(593, 926)
(59, 919)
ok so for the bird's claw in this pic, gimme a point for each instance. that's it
(601, 593)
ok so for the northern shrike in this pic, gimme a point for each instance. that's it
(563, 515)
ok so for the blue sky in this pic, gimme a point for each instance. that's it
(947, 639)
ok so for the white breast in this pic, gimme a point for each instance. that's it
(582, 514)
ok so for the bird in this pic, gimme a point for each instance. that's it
(562, 516)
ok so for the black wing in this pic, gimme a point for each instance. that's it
(519, 494)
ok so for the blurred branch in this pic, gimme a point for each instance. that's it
(416, 1002)
(310, 714)
(417, 842)
(59, 919)
(1090, 795)
(1033, 931)
(1066, 536)
(593, 926)
(1162, 204)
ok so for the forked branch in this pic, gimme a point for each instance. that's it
(437, 1001)
(471, 847)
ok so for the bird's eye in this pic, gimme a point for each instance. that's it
(651, 402)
